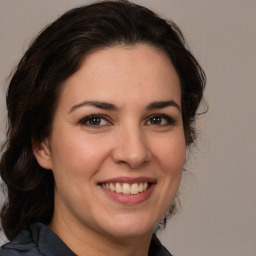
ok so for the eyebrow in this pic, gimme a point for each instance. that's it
(109, 106)
(163, 104)
(97, 104)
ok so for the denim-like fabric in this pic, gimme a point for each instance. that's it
(39, 240)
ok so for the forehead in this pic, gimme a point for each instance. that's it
(132, 73)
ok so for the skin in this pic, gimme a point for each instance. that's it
(127, 141)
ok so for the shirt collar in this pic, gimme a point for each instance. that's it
(41, 238)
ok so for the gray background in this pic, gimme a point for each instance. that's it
(218, 207)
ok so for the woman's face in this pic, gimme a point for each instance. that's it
(117, 145)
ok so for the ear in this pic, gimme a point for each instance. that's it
(42, 153)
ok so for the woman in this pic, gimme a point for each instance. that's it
(101, 109)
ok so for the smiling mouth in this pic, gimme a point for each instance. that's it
(126, 188)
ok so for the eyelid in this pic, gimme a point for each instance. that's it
(83, 121)
(87, 118)
(170, 120)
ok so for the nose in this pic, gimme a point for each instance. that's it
(131, 148)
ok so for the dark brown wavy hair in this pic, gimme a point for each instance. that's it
(35, 85)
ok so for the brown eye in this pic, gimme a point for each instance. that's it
(155, 120)
(161, 119)
(94, 120)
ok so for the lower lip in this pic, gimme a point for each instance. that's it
(130, 199)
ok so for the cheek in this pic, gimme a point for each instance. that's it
(171, 154)
(76, 155)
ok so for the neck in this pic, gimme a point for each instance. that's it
(82, 241)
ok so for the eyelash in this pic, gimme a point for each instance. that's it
(85, 121)
(169, 120)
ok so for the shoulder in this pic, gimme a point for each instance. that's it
(157, 249)
(38, 240)
(4, 251)
(22, 245)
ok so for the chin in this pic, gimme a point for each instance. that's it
(131, 227)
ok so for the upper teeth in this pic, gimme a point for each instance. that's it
(126, 188)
